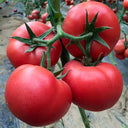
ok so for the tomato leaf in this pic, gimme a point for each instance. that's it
(100, 29)
(101, 41)
(30, 49)
(30, 32)
(23, 40)
(58, 72)
(42, 62)
(112, 59)
(62, 76)
(45, 34)
(55, 15)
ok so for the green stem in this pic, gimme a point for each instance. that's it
(60, 34)
(48, 58)
(121, 16)
(51, 14)
(84, 118)
(72, 38)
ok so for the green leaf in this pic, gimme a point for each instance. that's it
(45, 34)
(42, 62)
(30, 49)
(55, 5)
(101, 41)
(98, 60)
(30, 32)
(55, 15)
(60, 77)
(94, 20)
(112, 59)
(81, 48)
(70, 43)
(23, 40)
(101, 29)
(87, 22)
(58, 72)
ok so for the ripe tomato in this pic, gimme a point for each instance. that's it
(125, 18)
(120, 56)
(125, 4)
(15, 10)
(120, 47)
(44, 17)
(30, 17)
(16, 49)
(94, 88)
(35, 14)
(35, 96)
(126, 53)
(74, 24)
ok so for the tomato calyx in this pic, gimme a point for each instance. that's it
(31, 41)
(90, 27)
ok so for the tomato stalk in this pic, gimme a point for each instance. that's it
(84, 118)
(121, 16)
(125, 42)
(61, 34)
(49, 58)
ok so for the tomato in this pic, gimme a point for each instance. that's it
(44, 17)
(126, 53)
(30, 17)
(120, 56)
(74, 24)
(94, 88)
(16, 49)
(125, 4)
(15, 10)
(120, 47)
(125, 17)
(35, 14)
(35, 96)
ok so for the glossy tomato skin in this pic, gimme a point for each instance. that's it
(94, 88)
(120, 47)
(125, 4)
(74, 24)
(16, 49)
(35, 96)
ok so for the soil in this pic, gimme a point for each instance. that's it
(116, 117)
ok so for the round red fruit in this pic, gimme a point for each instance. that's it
(16, 49)
(75, 23)
(94, 88)
(35, 96)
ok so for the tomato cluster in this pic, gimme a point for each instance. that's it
(121, 50)
(33, 92)
(35, 14)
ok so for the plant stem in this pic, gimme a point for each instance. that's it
(48, 58)
(72, 38)
(84, 118)
(121, 16)
(60, 34)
